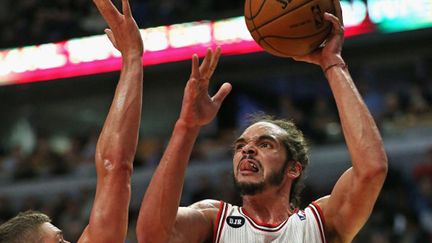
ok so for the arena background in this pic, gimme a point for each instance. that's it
(49, 122)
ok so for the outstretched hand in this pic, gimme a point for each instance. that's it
(330, 52)
(198, 108)
(123, 31)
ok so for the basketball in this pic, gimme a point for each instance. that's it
(288, 27)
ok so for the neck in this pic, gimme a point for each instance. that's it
(270, 206)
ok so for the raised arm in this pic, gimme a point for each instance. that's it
(351, 202)
(117, 142)
(160, 206)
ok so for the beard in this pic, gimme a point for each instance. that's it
(252, 188)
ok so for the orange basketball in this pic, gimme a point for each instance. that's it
(288, 27)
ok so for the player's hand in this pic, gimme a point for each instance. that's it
(123, 31)
(199, 108)
(330, 53)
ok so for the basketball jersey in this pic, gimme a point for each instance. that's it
(234, 225)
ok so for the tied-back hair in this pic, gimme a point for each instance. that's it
(25, 227)
(296, 147)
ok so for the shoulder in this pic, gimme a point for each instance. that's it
(207, 204)
(205, 210)
(322, 202)
(322, 205)
(195, 223)
(319, 208)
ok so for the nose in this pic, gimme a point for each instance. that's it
(249, 150)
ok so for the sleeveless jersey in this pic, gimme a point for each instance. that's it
(234, 225)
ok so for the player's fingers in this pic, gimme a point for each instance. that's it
(108, 11)
(195, 67)
(126, 8)
(337, 26)
(338, 11)
(206, 63)
(214, 61)
(111, 37)
(222, 93)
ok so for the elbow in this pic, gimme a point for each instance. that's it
(115, 156)
(115, 162)
(376, 171)
(381, 170)
(381, 165)
(375, 162)
(116, 166)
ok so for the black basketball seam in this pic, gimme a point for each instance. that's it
(263, 40)
(275, 18)
(250, 10)
(253, 22)
(282, 53)
(298, 37)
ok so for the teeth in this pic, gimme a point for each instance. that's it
(253, 165)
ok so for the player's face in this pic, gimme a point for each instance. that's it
(259, 157)
(52, 234)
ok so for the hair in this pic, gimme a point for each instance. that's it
(297, 151)
(23, 228)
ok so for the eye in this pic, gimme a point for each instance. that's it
(238, 146)
(265, 145)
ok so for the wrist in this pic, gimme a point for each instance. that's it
(132, 58)
(342, 65)
(333, 62)
(187, 126)
(328, 61)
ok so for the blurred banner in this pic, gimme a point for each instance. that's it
(94, 54)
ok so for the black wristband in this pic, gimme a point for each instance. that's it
(340, 64)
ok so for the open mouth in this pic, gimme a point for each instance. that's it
(248, 165)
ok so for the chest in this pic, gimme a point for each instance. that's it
(236, 226)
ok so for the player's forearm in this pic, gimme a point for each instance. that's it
(361, 133)
(114, 155)
(119, 136)
(161, 201)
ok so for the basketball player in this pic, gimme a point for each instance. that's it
(269, 158)
(30, 226)
(115, 149)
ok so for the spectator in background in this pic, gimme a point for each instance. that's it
(423, 198)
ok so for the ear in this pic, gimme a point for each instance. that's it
(294, 169)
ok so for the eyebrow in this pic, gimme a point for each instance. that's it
(239, 140)
(260, 138)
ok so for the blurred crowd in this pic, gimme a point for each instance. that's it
(395, 107)
(29, 22)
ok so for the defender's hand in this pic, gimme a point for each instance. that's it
(123, 31)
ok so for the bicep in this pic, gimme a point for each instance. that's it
(351, 202)
(193, 225)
